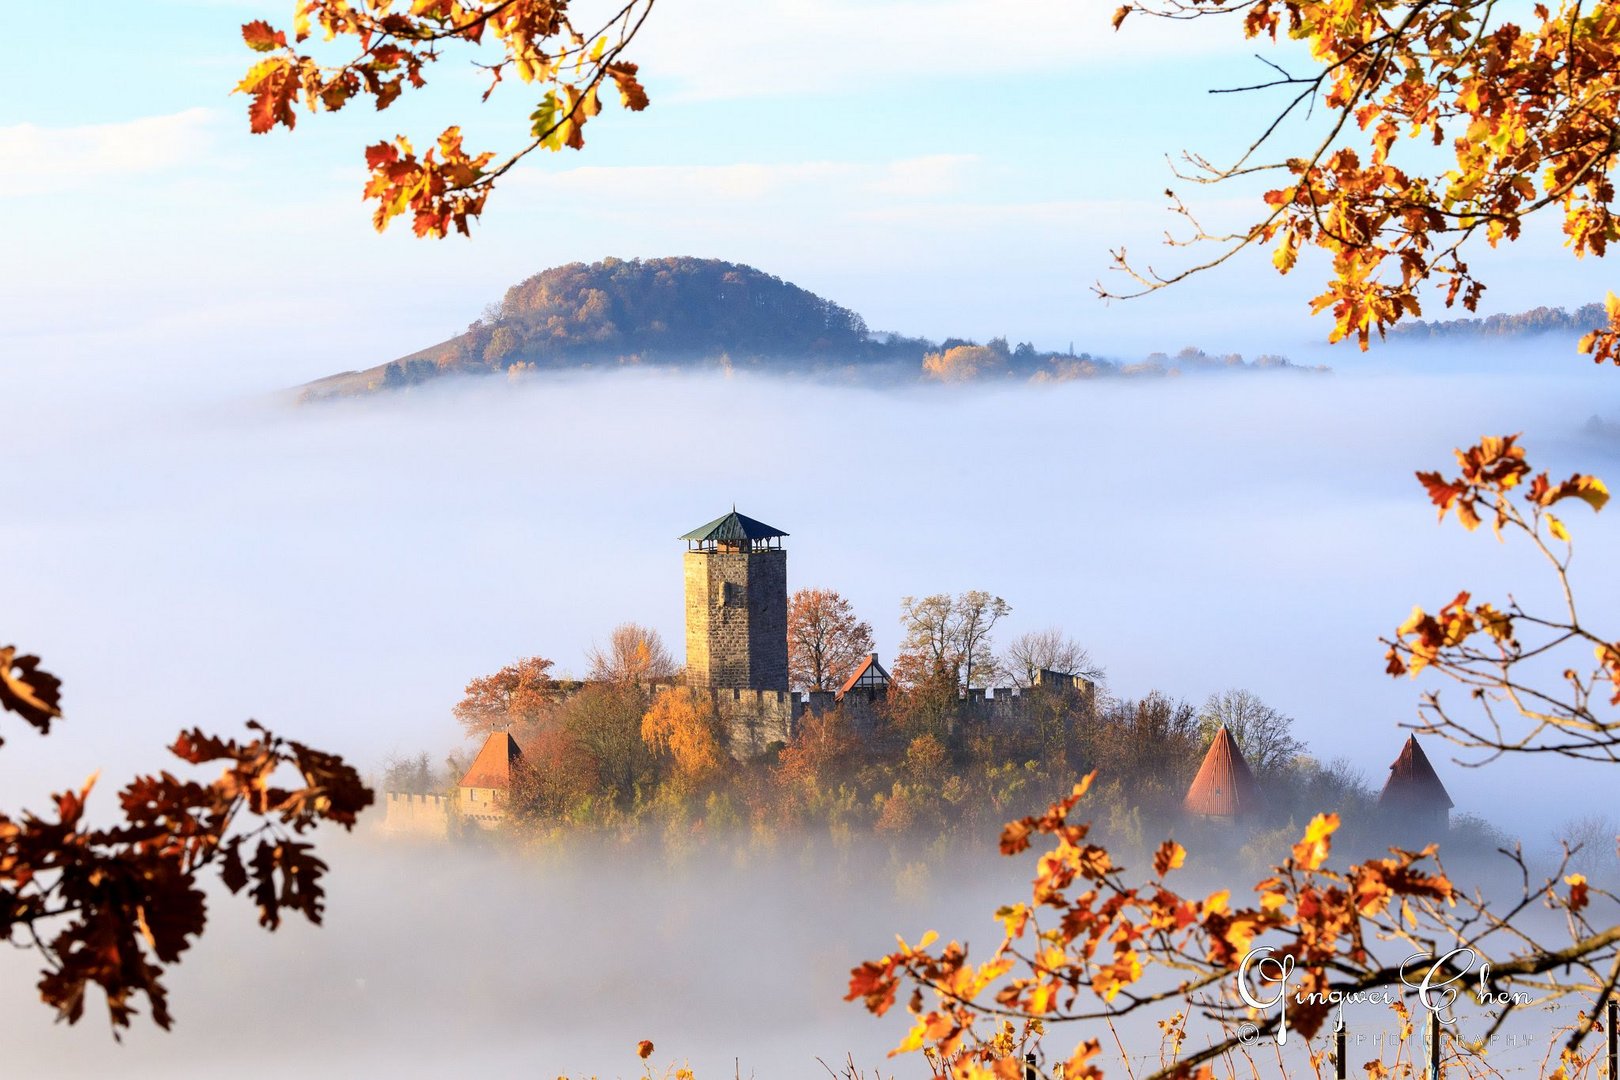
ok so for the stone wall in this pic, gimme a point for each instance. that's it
(753, 719)
(483, 807)
(736, 620)
(1002, 705)
(416, 815)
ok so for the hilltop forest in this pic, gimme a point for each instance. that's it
(688, 312)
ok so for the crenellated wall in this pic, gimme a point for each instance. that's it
(416, 815)
(754, 719)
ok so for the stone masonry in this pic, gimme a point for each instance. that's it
(736, 619)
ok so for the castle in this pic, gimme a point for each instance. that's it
(737, 647)
(735, 572)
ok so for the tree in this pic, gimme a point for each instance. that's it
(976, 616)
(604, 720)
(683, 724)
(556, 774)
(635, 654)
(1263, 734)
(928, 644)
(962, 363)
(825, 639)
(1527, 111)
(517, 696)
(951, 634)
(1152, 742)
(1089, 945)
(1032, 652)
(1480, 646)
(447, 186)
(824, 744)
(413, 775)
(113, 906)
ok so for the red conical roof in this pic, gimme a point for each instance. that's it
(1413, 783)
(1224, 786)
(492, 768)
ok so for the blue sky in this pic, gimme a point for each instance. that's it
(946, 167)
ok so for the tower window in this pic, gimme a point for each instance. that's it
(733, 595)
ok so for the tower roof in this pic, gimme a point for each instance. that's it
(1413, 783)
(1224, 786)
(733, 528)
(492, 768)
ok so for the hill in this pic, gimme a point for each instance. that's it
(686, 312)
(1541, 320)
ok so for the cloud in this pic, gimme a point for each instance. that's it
(36, 160)
(906, 178)
(752, 48)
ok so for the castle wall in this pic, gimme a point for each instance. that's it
(426, 816)
(736, 619)
(1001, 705)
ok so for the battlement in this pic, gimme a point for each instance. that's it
(753, 719)
(408, 814)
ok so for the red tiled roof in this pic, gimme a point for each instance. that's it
(1413, 783)
(869, 664)
(492, 768)
(1224, 786)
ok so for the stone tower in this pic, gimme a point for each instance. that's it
(736, 605)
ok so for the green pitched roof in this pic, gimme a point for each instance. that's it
(733, 528)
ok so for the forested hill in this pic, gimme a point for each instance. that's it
(686, 312)
(1541, 320)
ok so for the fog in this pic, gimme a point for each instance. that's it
(199, 552)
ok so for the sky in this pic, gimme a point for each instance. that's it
(950, 168)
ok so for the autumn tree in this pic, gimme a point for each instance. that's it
(634, 655)
(1093, 944)
(824, 745)
(113, 906)
(948, 633)
(928, 644)
(518, 696)
(682, 723)
(1034, 651)
(1264, 734)
(1483, 646)
(1523, 104)
(383, 50)
(1152, 742)
(604, 721)
(977, 613)
(825, 639)
(963, 363)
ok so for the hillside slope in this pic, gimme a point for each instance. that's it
(687, 312)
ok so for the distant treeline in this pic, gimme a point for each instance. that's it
(1541, 320)
(705, 313)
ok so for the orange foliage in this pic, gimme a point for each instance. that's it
(518, 695)
(963, 363)
(112, 906)
(1525, 103)
(444, 188)
(684, 725)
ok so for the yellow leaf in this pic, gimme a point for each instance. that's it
(1312, 851)
(1556, 527)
